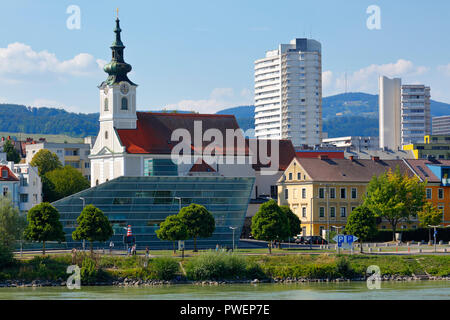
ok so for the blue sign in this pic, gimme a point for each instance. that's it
(345, 241)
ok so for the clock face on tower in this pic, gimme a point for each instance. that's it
(124, 88)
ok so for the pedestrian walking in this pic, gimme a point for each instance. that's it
(111, 246)
(147, 252)
(217, 247)
(74, 256)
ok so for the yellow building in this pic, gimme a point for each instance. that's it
(435, 146)
(323, 192)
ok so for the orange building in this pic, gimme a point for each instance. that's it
(437, 175)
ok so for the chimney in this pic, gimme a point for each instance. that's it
(323, 157)
(376, 159)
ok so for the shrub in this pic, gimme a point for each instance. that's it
(90, 273)
(214, 266)
(6, 256)
(165, 268)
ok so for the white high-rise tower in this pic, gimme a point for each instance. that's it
(389, 113)
(288, 93)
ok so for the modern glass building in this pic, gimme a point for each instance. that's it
(144, 202)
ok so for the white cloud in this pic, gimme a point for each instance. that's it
(366, 79)
(444, 69)
(220, 98)
(19, 59)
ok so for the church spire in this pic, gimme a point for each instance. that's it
(117, 69)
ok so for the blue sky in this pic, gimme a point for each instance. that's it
(198, 55)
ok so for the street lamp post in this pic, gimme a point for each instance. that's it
(179, 203)
(336, 227)
(434, 234)
(84, 204)
(233, 228)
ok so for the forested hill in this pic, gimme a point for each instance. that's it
(18, 118)
(347, 114)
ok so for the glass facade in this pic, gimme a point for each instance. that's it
(144, 202)
(160, 167)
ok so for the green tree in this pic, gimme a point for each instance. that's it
(45, 161)
(11, 153)
(172, 229)
(199, 221)
(429, 216)
(270, 223)
(395, 197)
(361, 223)
(12, 223)
(44, 224)
(63, 182)
(93, 225)
(294, 222)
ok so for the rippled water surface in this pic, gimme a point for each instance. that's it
(302, 291)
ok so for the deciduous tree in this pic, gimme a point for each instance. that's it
(395, 197)
(93, 225)
(361, 223)
(429, 216)
(44, 224)
(199, 221)
(270, 223)
(172, 229)
(45, 161)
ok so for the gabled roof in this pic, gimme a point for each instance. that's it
(11, 176)
(201, 166)
(154, 130)
(423, 171)
(346, 170)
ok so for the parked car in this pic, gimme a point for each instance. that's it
(312, 240)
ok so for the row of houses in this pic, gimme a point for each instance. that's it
(323, 191)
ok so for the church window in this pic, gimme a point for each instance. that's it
(106, 104)
(124, 104)
(106, 134)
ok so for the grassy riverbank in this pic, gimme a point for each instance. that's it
(222, 267)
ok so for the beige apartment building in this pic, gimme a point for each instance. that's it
(323, 192)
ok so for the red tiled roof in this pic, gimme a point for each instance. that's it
(11, 176)
(154, 130)
(346, 170)
(317, 153)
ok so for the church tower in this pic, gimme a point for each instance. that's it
(117, 93)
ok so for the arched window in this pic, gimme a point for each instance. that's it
(106, 135)
(124, 104)
(106, 104)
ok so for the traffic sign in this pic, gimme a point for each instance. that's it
(345, 241)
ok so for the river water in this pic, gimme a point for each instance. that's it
(299, 291)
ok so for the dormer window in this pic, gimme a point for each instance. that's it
(124, 104)
(106, 104)
(5, 174)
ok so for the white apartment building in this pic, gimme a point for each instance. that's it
(288, 93)
(441, 125)
(353, 142)
(73, 154)
(30, 185)
(415, 113)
